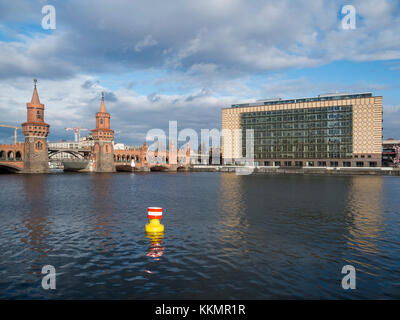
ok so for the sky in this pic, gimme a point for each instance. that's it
(184, 60)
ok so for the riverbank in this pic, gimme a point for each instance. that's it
(382, 171)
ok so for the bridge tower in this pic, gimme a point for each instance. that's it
(35, 130)
(103, 138)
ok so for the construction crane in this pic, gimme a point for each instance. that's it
(77, 133)
(15, 130)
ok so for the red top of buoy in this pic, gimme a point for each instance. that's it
(154, 212)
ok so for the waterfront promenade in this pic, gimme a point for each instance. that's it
(384, 171)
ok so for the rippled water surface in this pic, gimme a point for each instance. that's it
(226, 236)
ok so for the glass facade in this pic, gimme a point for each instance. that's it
(308, 133)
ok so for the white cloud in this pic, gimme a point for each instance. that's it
(148, 41)
(208, 52)
(71, 103)
(238, 35)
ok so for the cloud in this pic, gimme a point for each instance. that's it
(391, 118)
(148, 41)
(110, 96)
(197, 57)
(37, 56)
(70, 104)
(257, 36)
(202, 93)
(90, 84)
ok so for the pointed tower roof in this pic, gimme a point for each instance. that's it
(35, 96)
(102, 105)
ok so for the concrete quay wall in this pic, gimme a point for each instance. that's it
(299, 170)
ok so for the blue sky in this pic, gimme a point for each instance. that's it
(185, 60)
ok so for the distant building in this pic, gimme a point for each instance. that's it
(70, 145)
(213, 156)
(328, 130)
(63, 145)
(390, 152)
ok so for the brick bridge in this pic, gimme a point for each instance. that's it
(146, 160)
(33, 155)
(11, 157)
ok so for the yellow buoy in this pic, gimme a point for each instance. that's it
(154, 214)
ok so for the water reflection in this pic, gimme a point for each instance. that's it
(36, 221)
(102, 218)
(156, 250)
(232, 218)
(365, 210)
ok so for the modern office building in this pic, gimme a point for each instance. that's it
(331, 130)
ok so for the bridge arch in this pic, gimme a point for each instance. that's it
(8, 168)
(76, 154)
(159, 168)
(10, 155)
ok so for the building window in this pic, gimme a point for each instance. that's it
(360, 164)
(373, 164)
(362, 156)
(346, 164)
(101, 121)
(356, 156)
(308, 133)
(334, 164)
(369, 156)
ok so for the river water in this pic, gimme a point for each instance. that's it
(226, 236)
